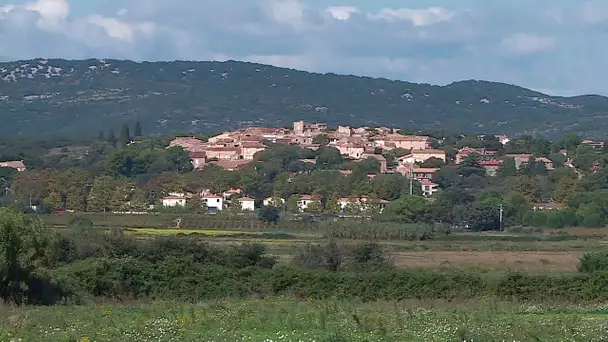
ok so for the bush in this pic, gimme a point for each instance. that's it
(27, 250)
(555, 220)
(593, 221)
(369, 256)
(593, 262)
(269, 214)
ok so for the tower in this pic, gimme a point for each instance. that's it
(298, 127)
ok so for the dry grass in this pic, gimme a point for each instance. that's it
(521, 261)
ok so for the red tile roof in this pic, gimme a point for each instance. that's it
(174, 197)
(16, 164)
(428, 183)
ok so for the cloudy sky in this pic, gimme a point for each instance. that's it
(555, 46)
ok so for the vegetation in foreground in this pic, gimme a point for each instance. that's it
(306, 321)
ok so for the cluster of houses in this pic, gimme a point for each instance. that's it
(235, 149)
(232, 197)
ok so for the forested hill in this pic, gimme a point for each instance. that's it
(82, 97)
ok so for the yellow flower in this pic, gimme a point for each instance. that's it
(83, 339)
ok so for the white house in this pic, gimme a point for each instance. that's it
(429, 188)
(345, 201)
(305, 200)
(361, 203)
(174, 201)
(247, 204)
(270, 201)
(213, 202)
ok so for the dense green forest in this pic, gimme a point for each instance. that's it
(79, 97)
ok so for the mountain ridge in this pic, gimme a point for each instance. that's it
(83, 96)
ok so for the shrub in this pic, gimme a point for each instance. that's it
(592, 262)
(269, 214)
(27, 250)
(593, 221)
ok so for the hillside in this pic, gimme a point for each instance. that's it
(79, 97)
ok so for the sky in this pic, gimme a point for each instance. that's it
(554, 46)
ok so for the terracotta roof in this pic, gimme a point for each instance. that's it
(211, 196)
(252, 144)
(174, 198)
(15, 164)
(224, 149)
(198, 154)
(308, 197)
(427, 151)
(243, 199)
(424, 170)
(426, 182)
(489, 163)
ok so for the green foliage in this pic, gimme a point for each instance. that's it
(408, 209)
(593, 262)
(137, 131)
(269, 214)
(27, 250)
(335, 257)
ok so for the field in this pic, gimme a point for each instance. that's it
(285, 320)
(519, 285)
(516, 250)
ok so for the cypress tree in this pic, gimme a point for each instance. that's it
(125, 135)
(137, 132)
(111, 137)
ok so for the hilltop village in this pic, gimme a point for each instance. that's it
(236, 149)
(309, 168)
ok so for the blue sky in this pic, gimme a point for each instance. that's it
(555, 46)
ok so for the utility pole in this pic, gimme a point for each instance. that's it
(500, 223)
(411, 179)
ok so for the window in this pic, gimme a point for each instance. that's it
(218, 200)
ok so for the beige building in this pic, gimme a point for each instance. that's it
(420, 156)
(351, 150)
(249, 149)
(408, 142)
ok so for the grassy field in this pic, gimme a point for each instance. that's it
(519, 249)
(539, 252)
(285, 320)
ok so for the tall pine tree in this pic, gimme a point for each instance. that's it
(111, 138)
(137, 131)
(125, 136)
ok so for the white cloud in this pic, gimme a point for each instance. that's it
(286, 11)
(113, 27)
(52, 13)
(418, 17)
(594, 12)
(342, 12)
(527, 43)
(438, 44)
